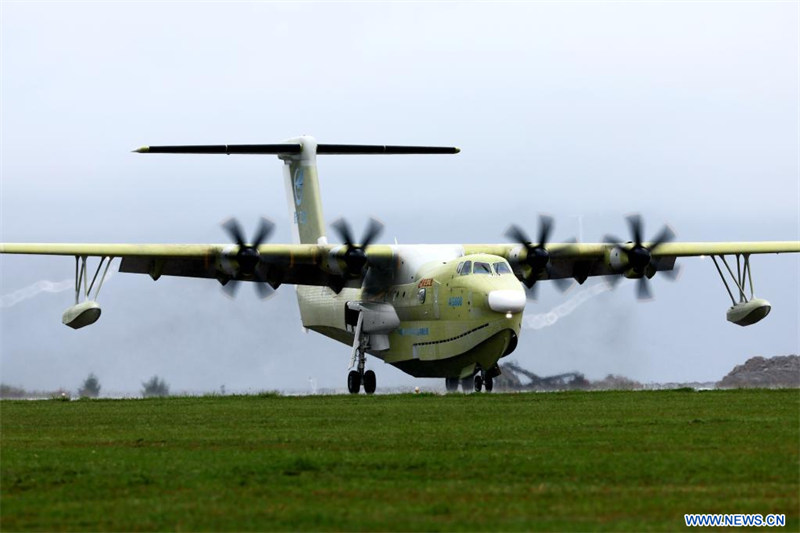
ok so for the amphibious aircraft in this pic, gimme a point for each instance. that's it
(449, 311)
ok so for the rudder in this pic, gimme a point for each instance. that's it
(303, 193)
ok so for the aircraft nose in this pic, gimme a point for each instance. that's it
(507, 301)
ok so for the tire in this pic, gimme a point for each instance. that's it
(353, 382)
(451, 384)
(478, 382)
(370, 382)
(488, 384)
(467, 385)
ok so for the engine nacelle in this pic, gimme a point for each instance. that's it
(82, 314)
(617, 259)
(619, 262)
(226, 263)
(747, 313)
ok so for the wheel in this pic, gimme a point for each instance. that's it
(451, 384)
(353, 382)
(369, 381)
(488, 383)
(478, 382)
(467, 385)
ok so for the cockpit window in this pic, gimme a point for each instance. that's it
(466, 268)
(502, 268)
(482, 268)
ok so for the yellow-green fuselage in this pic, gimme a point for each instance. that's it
(447, 326)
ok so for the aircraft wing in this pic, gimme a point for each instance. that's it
(327, 265)
(305, 264)
(579, 261)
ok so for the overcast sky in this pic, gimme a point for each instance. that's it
(686, 112)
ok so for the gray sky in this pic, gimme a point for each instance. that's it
(685, 112)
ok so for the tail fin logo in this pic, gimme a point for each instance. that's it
(298, 187)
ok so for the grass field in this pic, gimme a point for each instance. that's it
(573, 460)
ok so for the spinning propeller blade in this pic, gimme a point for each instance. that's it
(354, 256)
(537, 256)
(639, 256)
(248, 257)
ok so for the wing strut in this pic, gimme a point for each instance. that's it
(746, 311)
(87, 312)
(743, 274)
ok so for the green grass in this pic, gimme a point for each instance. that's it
(576, 460)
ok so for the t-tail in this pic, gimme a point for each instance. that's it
(302, 192)
(300, 172)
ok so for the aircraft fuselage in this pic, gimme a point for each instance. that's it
(457, 314)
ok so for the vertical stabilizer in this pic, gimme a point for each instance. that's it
(302, 192)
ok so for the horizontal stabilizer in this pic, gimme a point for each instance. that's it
(281, 148)
(294, 148)
(367, 149)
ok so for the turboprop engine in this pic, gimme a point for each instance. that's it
(635, 260)
(243, 260)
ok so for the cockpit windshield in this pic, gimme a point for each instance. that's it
(502, 268)
(482, 268)
(466, 268)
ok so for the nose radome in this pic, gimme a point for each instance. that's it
(507, 301)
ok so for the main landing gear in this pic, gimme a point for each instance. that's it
(355, 380)
(451, 384)
(477, 383)
(483, 380)
(358, 377)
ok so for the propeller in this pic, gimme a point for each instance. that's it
(537, 256)
(640, 257)
(354, 257)
(248, 257)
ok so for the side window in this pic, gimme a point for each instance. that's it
(458, 268)
(502, 268)
(421, 296)
(482, 268)
(466, 269)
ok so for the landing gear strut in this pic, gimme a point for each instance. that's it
(358, 377)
